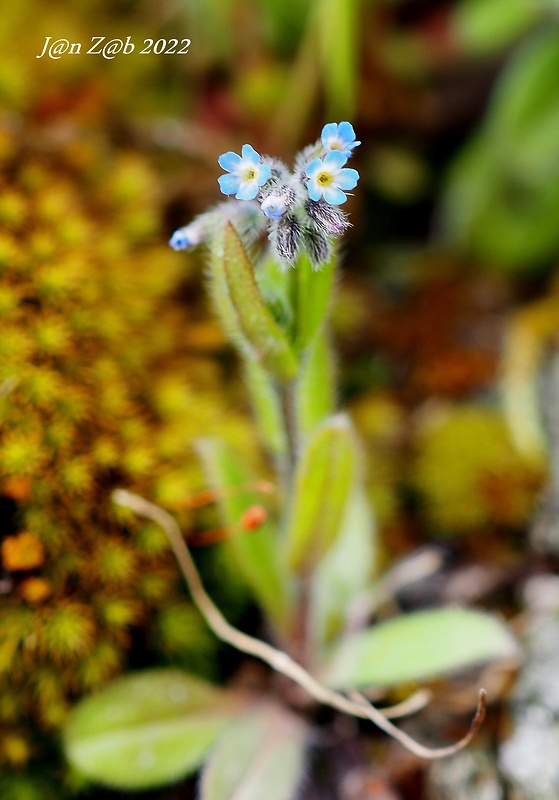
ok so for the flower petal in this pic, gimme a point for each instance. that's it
(313, 167)
(229, 161)
(314, 190)
(334, 196)
(263, 174)
(334, 160)
(346, 132)
(328, 131)
(347, 178)
(228, 184)
(247, 190)
(250, 155)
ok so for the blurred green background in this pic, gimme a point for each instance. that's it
(110, 362)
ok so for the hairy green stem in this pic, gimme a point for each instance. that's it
(289, 413)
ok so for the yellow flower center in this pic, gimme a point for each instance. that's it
(249, 174)
(324, 178)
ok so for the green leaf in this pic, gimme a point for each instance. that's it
(221, 298)
(147, 729)
(258, 326)
(312, 290)
(262, 755)
(315, 388)
(487, 26)
(274, 283)
(254, 553)
(502, 196)
(344, 573)
(526, 95)
(323, 483)
(417, 646)
(267, 409)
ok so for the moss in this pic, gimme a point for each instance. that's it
(469, 474)
(99, 387)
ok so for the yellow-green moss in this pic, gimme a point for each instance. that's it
(468, 473)
(99, 388)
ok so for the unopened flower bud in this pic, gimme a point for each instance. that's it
(329, 219)
(286, 239)
(278, 202)
(316, 245)
(189, 236)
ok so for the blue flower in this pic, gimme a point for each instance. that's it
(327, 178)
(278, 202)
(273, 207)
(246, 173)
(339, 137)
(186, 237)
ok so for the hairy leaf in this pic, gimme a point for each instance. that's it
(315, 388)
(147, 729)
(311, 291)
(416, 646)
(259, 327)
(344, 572)
(221, 298)
(261, 756)
(323, 483)
(267, 409)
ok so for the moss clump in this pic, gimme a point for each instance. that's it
(469, 474)
(99, 387)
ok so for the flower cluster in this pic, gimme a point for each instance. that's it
(299, 209)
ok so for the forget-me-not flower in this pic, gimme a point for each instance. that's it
(340, 137)
(299, 209)
(246, 175)
(327, 178)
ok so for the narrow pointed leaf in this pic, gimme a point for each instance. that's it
(417, 646)
(312, 292)
(483, 27)
(267, 409)
(344, 573)
(259, 327)
(261, 756)
(501, 200)
(221, 298)
(315, 389)
(323, 483)
(275, 287)
(147, 729)
(255, 553)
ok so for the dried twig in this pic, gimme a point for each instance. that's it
(357, 706)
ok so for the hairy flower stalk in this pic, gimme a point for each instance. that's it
(299, 210)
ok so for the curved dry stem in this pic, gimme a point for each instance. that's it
(410, 744)
(415, 702)
(357, 706)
